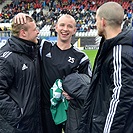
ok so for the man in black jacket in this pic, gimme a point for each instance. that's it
(19, 81)
(59, 59)
(109, 104)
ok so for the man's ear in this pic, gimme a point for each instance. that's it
(22, 33)
(104, 22)
(75, 30)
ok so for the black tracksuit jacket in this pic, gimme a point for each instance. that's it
(109, 103)
(19, 87)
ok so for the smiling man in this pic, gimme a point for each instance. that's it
(19, 81)
(59, 60)
(66, 28)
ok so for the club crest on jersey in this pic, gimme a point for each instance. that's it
(71, 60)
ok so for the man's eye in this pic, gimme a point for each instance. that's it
(62, 25)
(70, 26)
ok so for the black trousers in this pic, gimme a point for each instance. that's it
(48, 123)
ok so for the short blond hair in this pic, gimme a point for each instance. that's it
(68, 16)
(17, 27)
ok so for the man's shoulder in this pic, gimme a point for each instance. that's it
(78, 51)
(5, 52)
(44, 41)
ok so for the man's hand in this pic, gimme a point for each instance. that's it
(20, 18)
(66, 95)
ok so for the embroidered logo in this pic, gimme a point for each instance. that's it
(48, 55)
(71, 60)
(24, 67)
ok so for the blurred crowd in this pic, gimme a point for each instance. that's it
(46, 12)
(1, 1)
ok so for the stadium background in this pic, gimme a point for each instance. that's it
(46, 13)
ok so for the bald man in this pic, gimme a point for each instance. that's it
(109, 21)
(66, 28)
(108, 106)
(58, 60)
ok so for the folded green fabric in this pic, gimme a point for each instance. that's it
(59, 104)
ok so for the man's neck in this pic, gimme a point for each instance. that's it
(112, 32)
(63, 46)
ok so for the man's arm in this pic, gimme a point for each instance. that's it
(20, 18)
(121, 100)
(9, 110)
(85, 66)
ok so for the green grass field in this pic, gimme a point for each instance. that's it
(91, 54)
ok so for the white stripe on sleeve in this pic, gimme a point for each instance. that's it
(116, 91)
